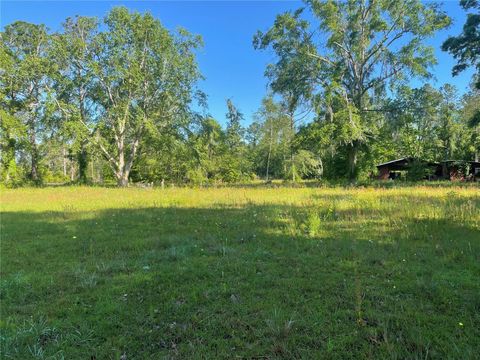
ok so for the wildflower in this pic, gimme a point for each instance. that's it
(74, 237)
(460, 324)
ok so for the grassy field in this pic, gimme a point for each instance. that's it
(331, 273)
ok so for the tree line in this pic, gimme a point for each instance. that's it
(117, 99)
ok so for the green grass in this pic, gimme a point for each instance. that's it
(331, 273)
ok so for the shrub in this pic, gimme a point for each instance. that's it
(417, 171)
(196, 177)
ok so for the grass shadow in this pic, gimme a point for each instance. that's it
(249, 281)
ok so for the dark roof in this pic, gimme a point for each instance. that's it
(397, 161)
(402, 163)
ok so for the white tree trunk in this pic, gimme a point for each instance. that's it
(64, 153)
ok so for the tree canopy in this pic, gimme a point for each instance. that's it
(117, 99)
(465, 47)
(351, 52)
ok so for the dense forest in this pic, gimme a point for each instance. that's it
(117, 100)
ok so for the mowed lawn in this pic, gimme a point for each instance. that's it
(330, 273)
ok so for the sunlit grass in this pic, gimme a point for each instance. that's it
(250, 272)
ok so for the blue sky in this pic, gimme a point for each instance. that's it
(233, 69)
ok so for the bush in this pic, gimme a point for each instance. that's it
(417, 171)
(305, 166)
(196, 177)
(12, 175)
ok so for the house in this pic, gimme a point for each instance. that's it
(449, 169)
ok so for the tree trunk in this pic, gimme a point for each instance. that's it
(126, 166)
(122, 180)
(293, 166)
(292, 129)
(122, 176)
(8, 157)
(82, 158)
(64, 153)
(269, 151)
(34, 174)
(445, 173)
(352, 153)
(92, 169)
(353, 148)
(72, 171)
(477, 151)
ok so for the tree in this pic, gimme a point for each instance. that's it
(368, 45)
(465, 47)
(209, 148)
(24, 82)
(105, 90)
(471, 115)
(11, 138)
(235, 164)
(448, 124)
(274, 141)
(145, 79)
(412, 120)
(13, 132)
(168, 156)
(75, 84)
(235, 131)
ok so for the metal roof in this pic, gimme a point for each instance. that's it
(408, 159)
(393, 161)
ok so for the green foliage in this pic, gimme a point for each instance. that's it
(98, 88)
(146, 82)
(196, 177)
(235, 131)
(24, 83)
(470, 113)
(417, 171)
(306, 165)
(113, 99)
(220, 155)
(349, 66)
(465, 47)
(12, 137)
(313, 223)
(10, 173)
(272, 148)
